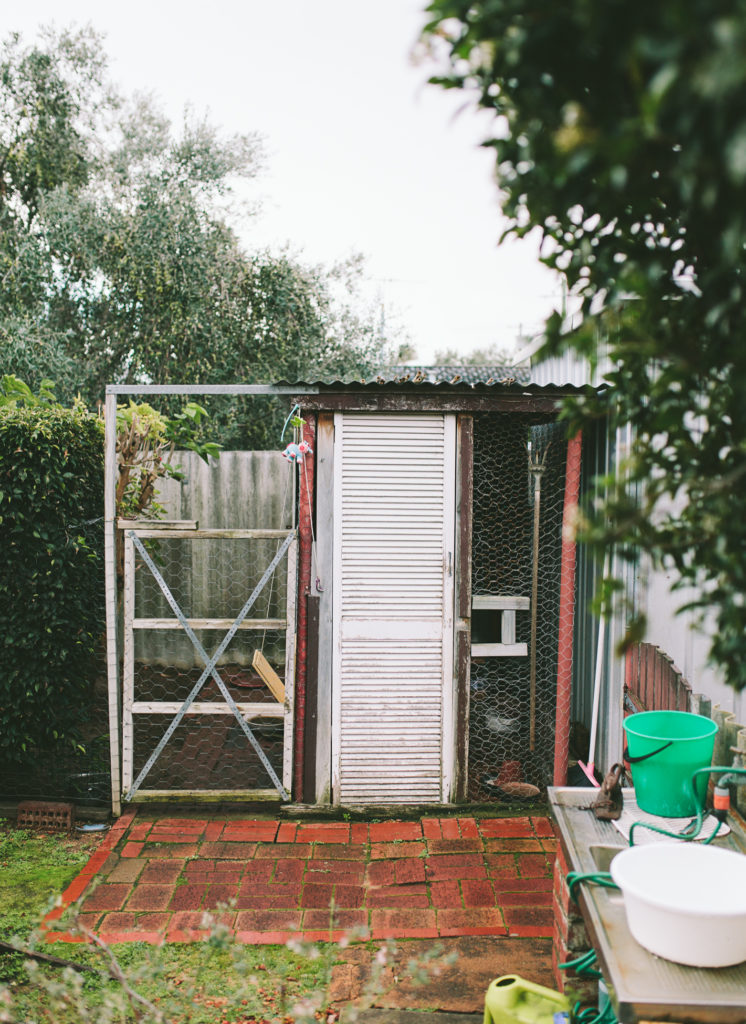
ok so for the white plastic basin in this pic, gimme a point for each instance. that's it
(685, 902)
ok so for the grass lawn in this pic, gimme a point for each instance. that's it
(204, 983)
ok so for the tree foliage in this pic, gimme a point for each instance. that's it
(119, 254)
(51, 558)
(620, 136)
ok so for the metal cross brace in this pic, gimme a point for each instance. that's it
(210, 664)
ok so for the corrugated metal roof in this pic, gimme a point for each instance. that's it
(423, 384)
(450, 377)
(485, 373)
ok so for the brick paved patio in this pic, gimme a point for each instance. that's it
(153, 879)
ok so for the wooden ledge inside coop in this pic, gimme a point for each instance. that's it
(507, 606)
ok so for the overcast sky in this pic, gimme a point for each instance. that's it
(362, 155)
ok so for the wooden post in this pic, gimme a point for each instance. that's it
(110, 558)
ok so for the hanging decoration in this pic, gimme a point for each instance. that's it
(295, 452)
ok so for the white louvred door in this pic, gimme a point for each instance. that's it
(393, 608)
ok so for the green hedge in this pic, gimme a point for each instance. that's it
(51, 573)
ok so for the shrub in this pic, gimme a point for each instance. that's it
(51, 562)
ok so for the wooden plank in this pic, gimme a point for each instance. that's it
(290, 657)
(225, 624)
(144, 796)
(110, 589)
(499, 650)
(507, 627)
(249, 709)
(464, 513)
(311, 718)
(274, 684)
(217, 534)
(324, 553)
(491, 602)
(128, 663)
(158, 524)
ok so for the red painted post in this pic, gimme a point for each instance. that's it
(566, 611)
(305, 539)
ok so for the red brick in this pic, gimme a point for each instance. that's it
(271, 895)
(250, 938)
(471, 922)
(477, 893)
(469, 828)
(525, 899)
(501, 865)
(535, 885)
(470, 865)
(315, 896)
(533, 864)
(393, 831)
(445, 894)
(449, 828)
(136, 935)
(392, 851)
(77, 887)
(319, 919)
(107, 897)
(359, 832)
(132, 849)
(188, 897)
(169, 851)
(349, 896)
(265, 901)
(431, 828)
(332, 833)
(261, 831)
(550, 846)
(543, 827)
(126, 870)
(172, 836)
(409, 870)
(119, 921)
(334, 871)
(520, 918)
(438, 846)
(140, 830)
(380, 872)
(286, 832)
(268, 920)
(401, 923)
(227, 851)
(506, 845)
(338, 851)
(213, 831)
(287, 872)
(222, 892)
(301, 851)
(514, 828)
(397, 896)
(259, 870)
(150, 897)
(161, 871)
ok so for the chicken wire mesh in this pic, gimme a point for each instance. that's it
(210, 578)
(513, 697)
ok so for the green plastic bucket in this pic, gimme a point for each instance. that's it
(665, 748)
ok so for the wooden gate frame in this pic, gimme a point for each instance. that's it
(248, 710)
(110, 529)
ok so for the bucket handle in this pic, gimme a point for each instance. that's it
(644, 757)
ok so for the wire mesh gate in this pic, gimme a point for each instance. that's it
(519, 478)
(205, 710)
